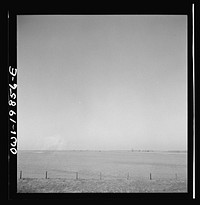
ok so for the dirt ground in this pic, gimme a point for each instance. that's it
(99, 186)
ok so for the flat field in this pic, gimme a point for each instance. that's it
(99, 186)
(101, 171)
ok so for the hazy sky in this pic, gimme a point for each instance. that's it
(102, 82)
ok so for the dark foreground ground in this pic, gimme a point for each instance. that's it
(99, 186)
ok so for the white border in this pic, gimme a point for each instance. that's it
(193, 68)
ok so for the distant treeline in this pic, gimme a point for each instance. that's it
(144, 150)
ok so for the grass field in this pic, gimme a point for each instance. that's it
(108, 171)
(99, 186)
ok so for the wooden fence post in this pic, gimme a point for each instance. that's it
(150, 177)
(46, 175)
(20, 175)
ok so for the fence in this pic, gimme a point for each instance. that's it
(98, 175)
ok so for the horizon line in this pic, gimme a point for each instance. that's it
(99, 150)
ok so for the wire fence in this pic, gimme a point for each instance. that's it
(51, 174)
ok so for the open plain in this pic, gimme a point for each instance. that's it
(101, 171)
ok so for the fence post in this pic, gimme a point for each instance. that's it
(20, 175)
(128, 176)
(150, 177)
(76, 175)
(46, 175)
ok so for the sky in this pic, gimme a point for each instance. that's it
(102, 82)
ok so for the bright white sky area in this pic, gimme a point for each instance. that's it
(108, 82)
